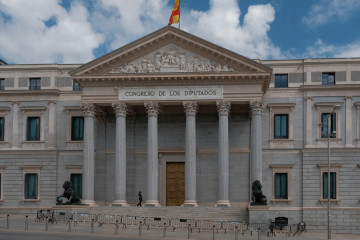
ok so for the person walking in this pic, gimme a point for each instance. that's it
(140, 199)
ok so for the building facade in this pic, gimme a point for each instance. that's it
(187, 123)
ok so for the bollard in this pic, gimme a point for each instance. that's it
(189, 231)
(46, 224)
(26, 223)
(69, 229)
(8, 221)
(236, 233)
(213, 232)
(140, 229)
(117, 227)
(92, 226)
(164, 233)
(258, 233)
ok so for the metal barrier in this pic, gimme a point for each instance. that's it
(133, 220)
(63, 216)
(156, 222)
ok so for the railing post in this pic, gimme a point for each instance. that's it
(236, 233)
(140, 228)
(26, 223)
(92, 226)
(46, 224)
(164, 233)
(117, 227)
(8, 221)
(70, 219)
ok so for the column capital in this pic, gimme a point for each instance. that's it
(256, 107)
(120, 108)
(190, 107)
(152, 108)
(223, 107)
(89, 109)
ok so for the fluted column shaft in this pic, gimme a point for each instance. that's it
(256, 141)
(120, 154)
(89, 153)
(223, 169)
(152, 155)
(190, 154)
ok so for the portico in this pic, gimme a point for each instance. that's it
(185, 92)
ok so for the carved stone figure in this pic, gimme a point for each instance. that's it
(258, 198)
(69, 194)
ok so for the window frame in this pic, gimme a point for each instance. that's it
(33, 112)
(74, 169)
(328, 108)
(35, 83)
(4, 112)
(31, 170)
(281, 169)
(2, 84)
(281, 83)
(73, 111)
(334, 168)
(2, 183)
(281, 108)
(327, 74)
(29, 128)
(72, 137)
(77, 87)
(281, 124)
(324, 132)
(357, 105)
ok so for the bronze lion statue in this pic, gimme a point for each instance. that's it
(258, 198)
(69, 194)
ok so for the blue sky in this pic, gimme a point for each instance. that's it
(77, 31)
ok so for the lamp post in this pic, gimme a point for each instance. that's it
(335, 107)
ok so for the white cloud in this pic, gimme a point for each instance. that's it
(330, 10)
(26, 38)
(79, 30)
(324, 50)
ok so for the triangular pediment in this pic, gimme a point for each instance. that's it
(169, 50)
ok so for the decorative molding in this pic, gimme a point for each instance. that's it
(171, 59)
(256, 107)
(223, 107)
(152, 108)
(190, 107)
(120, 108)
(89, 109)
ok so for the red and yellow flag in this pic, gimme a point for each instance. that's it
(175, 15)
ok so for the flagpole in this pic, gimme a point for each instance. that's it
(179, 14)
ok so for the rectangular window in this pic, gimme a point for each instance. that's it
(76, 180)
(324, 127)
(2, 84)
(1, 186)
(281, 186)
(31, 185)
(332, 185)
(281, 80)
(328, 79)
(33, 129)
(281, 128)
(2, 128)
(77, 128)
(35, 84)
(77, 87)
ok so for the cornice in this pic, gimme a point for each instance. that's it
(30, 92)
(327, 88)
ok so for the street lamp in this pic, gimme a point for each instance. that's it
(328, 121)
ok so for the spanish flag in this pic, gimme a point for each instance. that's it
(175, 15)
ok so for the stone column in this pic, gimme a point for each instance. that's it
(89, 153)
(348, 123)
(51, 142)
(256, 108)
(190, 154)
(15, 123)
(223, 169)
(152, 109)
(120, 154)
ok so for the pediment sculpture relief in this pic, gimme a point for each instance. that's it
(171, 59)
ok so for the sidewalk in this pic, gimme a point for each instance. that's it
(17, 223)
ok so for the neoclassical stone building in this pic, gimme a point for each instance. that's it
(187, 123)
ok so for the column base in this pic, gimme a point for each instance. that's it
(190, 203)
(152, 203)
(89, 202)
(120, 203)
(223, 203)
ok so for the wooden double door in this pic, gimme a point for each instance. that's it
(175, 183)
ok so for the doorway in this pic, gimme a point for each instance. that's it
(175, 183)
